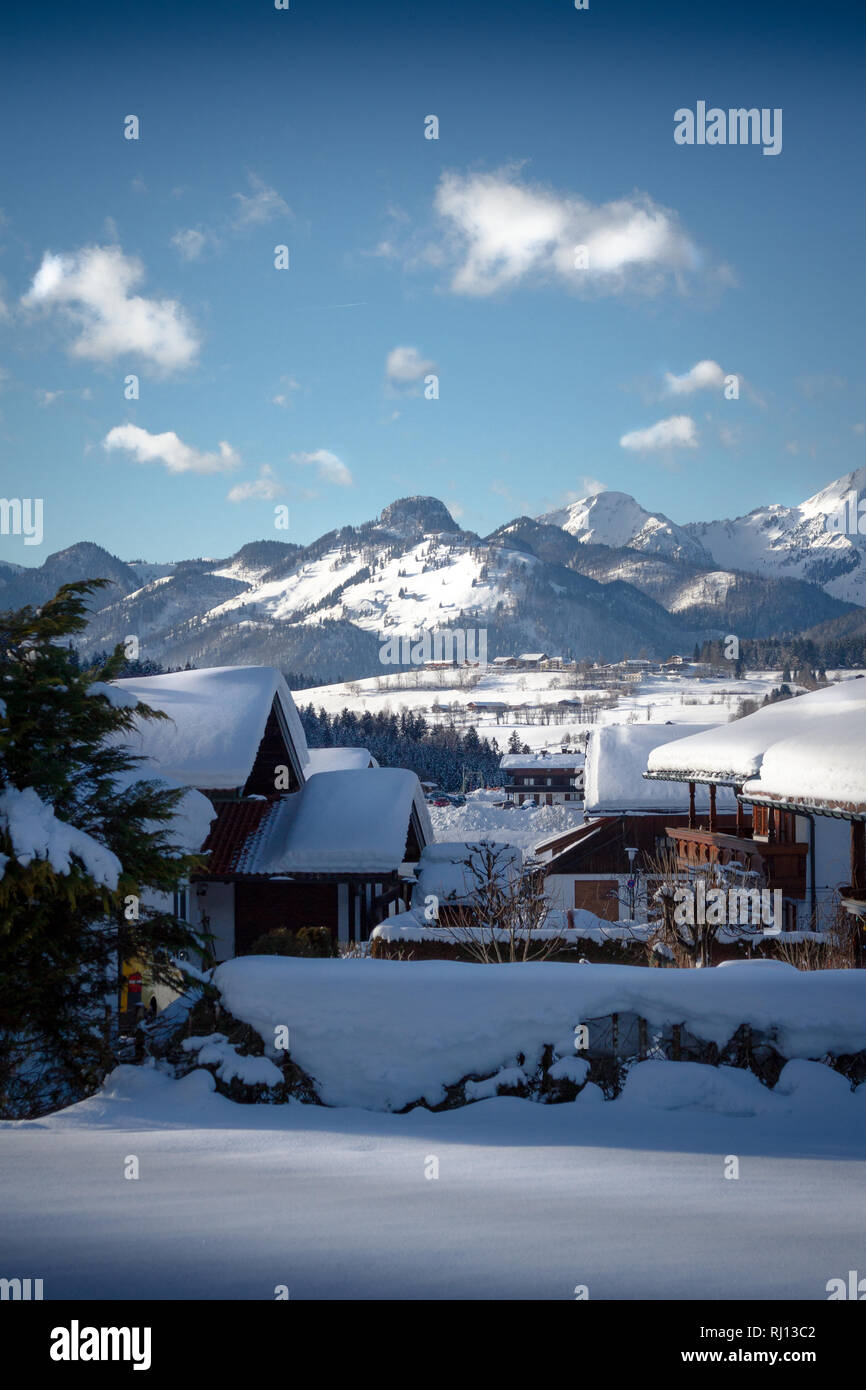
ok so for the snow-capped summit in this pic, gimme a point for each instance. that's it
(616, 519)
(819, 540)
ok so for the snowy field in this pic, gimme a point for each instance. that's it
(684, 700)
(625, 1197)
(695, 1183)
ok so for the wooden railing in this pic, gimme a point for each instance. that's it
(781, 864)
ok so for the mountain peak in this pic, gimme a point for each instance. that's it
(617, 520)
(417, 514)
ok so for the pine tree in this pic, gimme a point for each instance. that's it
(100, 838)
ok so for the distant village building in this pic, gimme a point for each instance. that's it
(550, 779)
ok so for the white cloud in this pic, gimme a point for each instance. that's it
(405, 367)
(504, 232)
(190, 242)
(262, 205)
(702, 375)
(49, 397)
(591, 488)
(265, 488)
(94, 288)
(676, 432)
(330, 468)
(169, 450)
(284, 397)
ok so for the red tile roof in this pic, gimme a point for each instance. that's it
(236, 823)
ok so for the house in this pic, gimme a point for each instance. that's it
(340, 853)
(609, 865)
(531, 661)
(550, 779)
(229, 729)
(820, 771)
(299, 837)
(795, 846)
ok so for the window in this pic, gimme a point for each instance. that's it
(180, 907)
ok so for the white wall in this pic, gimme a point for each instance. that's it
(218, 902)
(832, 854)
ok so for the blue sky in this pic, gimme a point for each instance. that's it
(451, 257)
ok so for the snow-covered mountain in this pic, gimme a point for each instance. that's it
(615, 519)
(607, 580)
(803, 542)
(814, 541)
(323, 609)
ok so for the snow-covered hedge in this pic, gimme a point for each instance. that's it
(382, 1036)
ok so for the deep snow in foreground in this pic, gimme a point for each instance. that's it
(627, 1197)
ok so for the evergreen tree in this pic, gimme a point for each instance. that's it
(81, 840)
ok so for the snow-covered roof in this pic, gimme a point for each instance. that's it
(218, 717)
(734, 753)
(352, 821)
(616, 761)
(444, 872)
(338, 759)
(541, 759)
(822, 767)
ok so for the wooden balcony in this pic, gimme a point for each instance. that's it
(781, 864)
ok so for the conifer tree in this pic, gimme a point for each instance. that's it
(84, 836)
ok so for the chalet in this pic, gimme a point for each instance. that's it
(821, 771)
(299, 837)
(795, 840)
(550, 779)
(340, 853)
(607, 865)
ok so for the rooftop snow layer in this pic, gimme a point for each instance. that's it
(338, 759)
(821, 767)
(560, 760)
(734, 753)
(218, 718)
(352, 821)
(616, 761)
